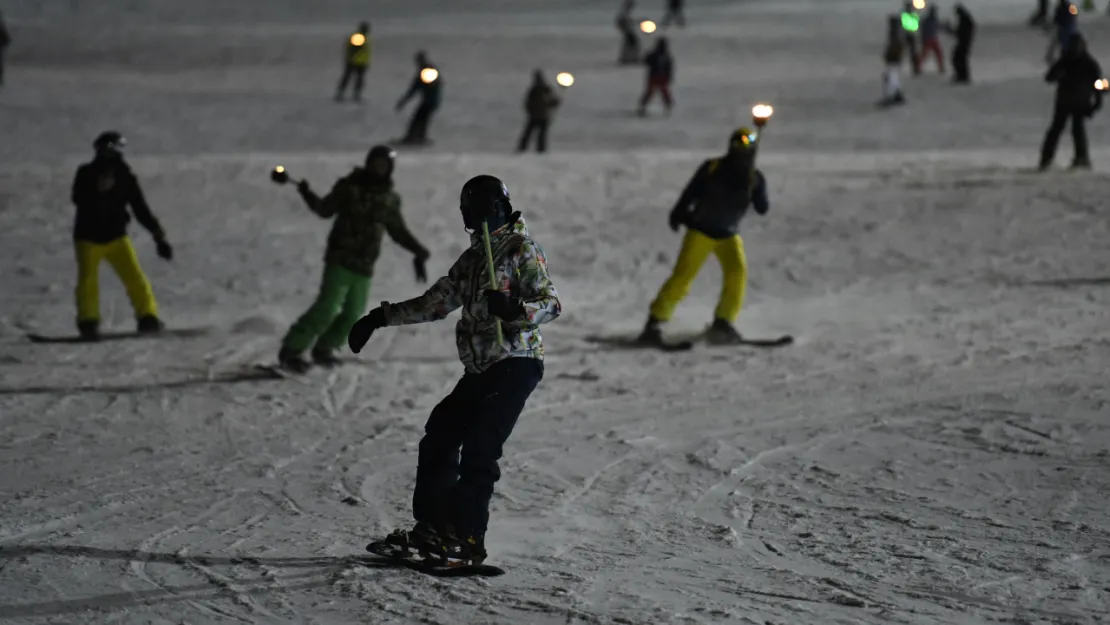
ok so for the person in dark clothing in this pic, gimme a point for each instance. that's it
(892, 60)
(1077, 98)
(539, 105)
(910, 24)
(630, 40)
(1066, 20)
(356, 59)
(429, 84)
(674, 13)
(930, 37)
(5, 40)
(102, 191)
(965, 34)
(1039, 18)
(711, 207)
(660, 73)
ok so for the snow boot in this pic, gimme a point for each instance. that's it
(1081, 163)
(149, 324)
(89, 330)
(325, 357)
(423, 537)
(292, 361)
(469, 549)
(722, 333)
(651, 335)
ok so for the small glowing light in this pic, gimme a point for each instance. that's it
(1102, 84)
(1074, 10)
(428, 75)
(358, 39)
(565, 79)
(647, 26)
(279, 169)
(762, 111)
(919, 4)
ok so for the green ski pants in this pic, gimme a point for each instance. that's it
(341, 302)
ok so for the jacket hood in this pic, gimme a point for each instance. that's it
(516, 225)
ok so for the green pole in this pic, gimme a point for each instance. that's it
(492, 277)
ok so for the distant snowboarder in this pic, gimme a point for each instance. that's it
(630, 39)
(1066, 21)
(102, 191)
(674, 13)
(660, 73)
(365, 206)
(930, 38)
(5, 41)
(911, 22)
(964, 31)
(429, 84)
(892, 64)
(356, 59)
(452, 495)
(539, 104)
(711, 207)
(1077, 99)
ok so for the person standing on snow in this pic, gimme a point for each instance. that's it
(429, 84)
(102, 191)
(930, 37)
(356, 56)
(910, 26)
(1077, 98)
(451, 501)
(539, 104)
(5, 40)
(674, 13)
(965, 35)
(892, 59)
(711, 207)
(630, 41)
(660, 73)
(365, 206)
(1066, 20)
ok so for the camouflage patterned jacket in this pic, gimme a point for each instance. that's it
(362, 214)
(521, 271)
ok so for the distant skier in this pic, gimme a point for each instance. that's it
(5, 41)
(674, 13)
(930, 37)
(1066, 21)
(102, 191)
(1077, 98)
(660, 73)
(356, 59)
(630, 39)
(1039, 18)
(365, 206)
(453, 490)
(539, 104)
(892, 60)
(711, 207)
(964, 32)
(910, 26)
(429, 84)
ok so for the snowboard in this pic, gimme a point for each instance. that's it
(120, 336)
(685, 343)
(389, 553)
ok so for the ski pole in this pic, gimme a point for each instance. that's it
(492, 277)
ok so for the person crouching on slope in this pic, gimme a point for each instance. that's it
(102, 191)
(719, 194)
(452, 495)
(364, 205)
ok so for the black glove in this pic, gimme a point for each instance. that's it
(421, 271)
(363, 328)
(677, 219)
(302, 187)
(164, 248)
(502, 306)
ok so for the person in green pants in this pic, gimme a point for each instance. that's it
(365, 206)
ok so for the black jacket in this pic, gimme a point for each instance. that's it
(102, 191)
(1075, 76)
(965, 27)
(660, 65)
(720, 197)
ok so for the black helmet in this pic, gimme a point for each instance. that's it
(110, 140)
(485, 198)
(381, 152)
(743, 139)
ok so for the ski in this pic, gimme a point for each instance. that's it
(385, 552)
(120, 336)
(624, 342)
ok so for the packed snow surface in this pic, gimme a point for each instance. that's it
(935, 448)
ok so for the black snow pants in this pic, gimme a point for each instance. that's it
(478, 416)
(1078, 114)
(348, 72)
(418, 125)
(960, 62)
(539, 126)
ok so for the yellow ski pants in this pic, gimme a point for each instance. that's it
(120, 254)
(696, 248)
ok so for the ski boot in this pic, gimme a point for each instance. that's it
(325, 357)
(1081, 163)
(89, 330)
(722, 333)
(464, 550)
(149, 324)
(292, 361)
(422, 539)
(651, 335)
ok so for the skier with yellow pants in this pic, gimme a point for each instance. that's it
(711, 207)
(102, 191)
